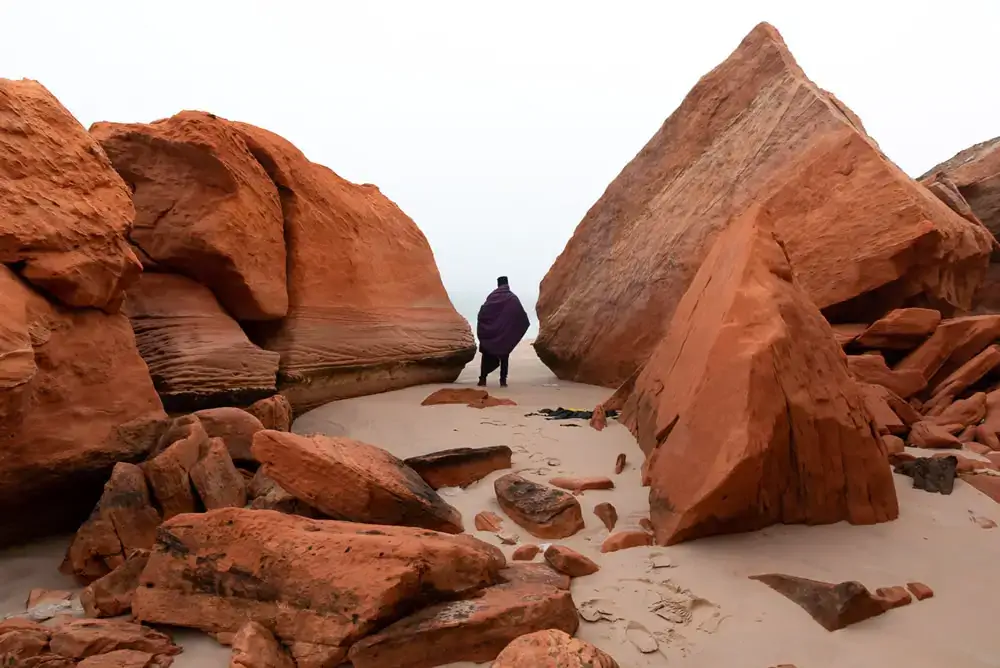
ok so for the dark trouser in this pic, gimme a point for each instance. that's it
(490, 363)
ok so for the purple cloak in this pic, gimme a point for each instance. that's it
(502, 322)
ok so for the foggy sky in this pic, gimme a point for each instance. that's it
(497, 125)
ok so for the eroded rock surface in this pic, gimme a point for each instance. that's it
(834, 606)
(544, 511)
(460, 467)
(552, 649)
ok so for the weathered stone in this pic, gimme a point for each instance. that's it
(861, 236)
(969, 373)
(847, 333)
(81, 638)
(111, 595)
(987, 484)
(488, 521)
(324, 583)
(886, 420)
(966, 412)
(544, 511)
(623, 540)
(620, 463)
(552, 649)
(197, 354)
(215, 478)
(234, 426)
(537, 573)
(273, 412)
(895, 597)
(367, 309)
(255, 647)
(893, 444)
(126, 658)
(460, 467)
(349, 480)
(582, 484)
(987, 432)
(470, 396)
(205, 208)
(954, 342)
(474, 630)
(123, 520)
(568, 561)
(608, 514)
(62, 428)
(901, 329)
(526, 552)
(872, 369)
(796, 446)
(926, 434)
(22, 640)
(919, 590)
(834, 606)
(975, 173)
(169, 471)
(933, 474)
(64, 212)
(266, 494)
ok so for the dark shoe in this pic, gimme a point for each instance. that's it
(503, 383)
(481, 383)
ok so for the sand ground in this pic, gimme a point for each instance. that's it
(701, 609)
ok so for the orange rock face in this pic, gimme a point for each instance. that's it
(350, 480)
(797, 444)
(197, 354)
(274, 412)
(901, 329)
(552, 649)
(325, 584)
(367, 309)
(753, 131)
(205, 208)
(975, 172)
(64, 212)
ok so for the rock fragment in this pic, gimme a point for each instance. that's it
(460, 467)
(552, 649)
(834, 606)
(543, 511)
(570, 562)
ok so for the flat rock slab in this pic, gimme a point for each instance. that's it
(350, 480)
(569, 562)
(111, 595)
(834, 606)
(582, 484)
(256, 647)
(469, 396)
(901, 329)
(543, 511)
(474, 630)
(326, 584)
(460, 467)
(552, 649)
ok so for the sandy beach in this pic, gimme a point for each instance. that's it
(694, 599)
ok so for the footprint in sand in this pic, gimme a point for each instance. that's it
(639, 635)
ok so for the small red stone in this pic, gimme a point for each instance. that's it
(920, 590)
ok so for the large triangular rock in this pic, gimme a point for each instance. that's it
(975, 173)
(797, 444)
(861, 235)
(196, 353)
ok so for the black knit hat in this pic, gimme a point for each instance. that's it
(502, 280)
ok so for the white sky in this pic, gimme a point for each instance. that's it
(497, 125)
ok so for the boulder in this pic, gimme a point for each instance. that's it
(266, 494)
(61, 427)
(460, 467)
(552, 649)
(575, 484)
(544, 511)
(82, 638)
(901, 329)
(111, 595)
(608, 514)
(215, 478)
(64, 213)
(236, 427)
(197, 354)
(474, 630)
(350, 480)
(945, 392)
(925, 434)
(966, 412)
(470, 396)
(893, 444)
(204, 207)
(975, 173)
(861, 235)
(319, 586)
(797, 444)
(123, 520)
(885, 418)
(273, 412)
(169, 471)
(525, 552)
(834, 606)
(367, 309)
(255, 647)
(569, 562)
(873, 370)
(624, 540)
(953, 343)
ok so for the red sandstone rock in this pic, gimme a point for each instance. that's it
(473, 630)
(965, 412)
(966, 464)
(537, 573)
(569, 561)
(928, 435)
(525, 552)
(47, 596)
(126, 658)
(620, 463)
(753, 131)
(901, 329)
(552, 649)
(347, 479)
(488, 521)
(969, 373)
(197, 354)
(885, 418)
(623, 540)
(986, 433)
(205, 208)
(255, 647)
(215, 478)
(367, 309)
(111, 595)
(833, 606)
(599, 418)
(796, 445)
(847, 333)
(920, 590)
(82, 638)
(607, 514)
(62, 427)
(582, 484)
(470, 396)
(545, 512)
(64, 212)
(976, 447)
(954, 342)
(169, 471)
(460, 467)
(123, 520)
(893, 444)
(987, 484)
(894, 597)
(873, 369)
(324, 584)
(274, 412)
(23, 641)
(266, 494)
(236, 427)
(975, 173)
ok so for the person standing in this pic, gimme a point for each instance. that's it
(501, 325)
